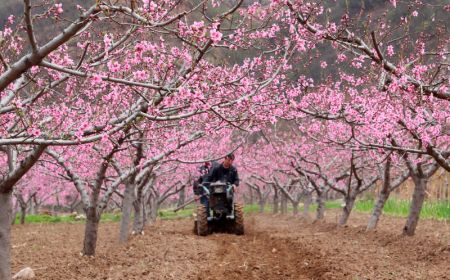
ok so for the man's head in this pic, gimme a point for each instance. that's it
(228, 161)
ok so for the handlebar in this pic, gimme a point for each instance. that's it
(206, 186)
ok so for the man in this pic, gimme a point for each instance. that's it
(224, 172)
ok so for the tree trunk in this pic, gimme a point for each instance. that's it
(5, 235)
(378, 209)
(23, 214)
(127, 204)
(91, 231)
(144, 211)
(153, 208)
(295, 208)
(284, 205)
(181, 197)
(262, 203)
(275, 201)
(446, 187)
(320, 206)
(14, 214)
(420, 185)
(349, 202)
(139, 212)
(251, 199)
(36, 205)
(306, 204)
(139, 216)
(32, 212)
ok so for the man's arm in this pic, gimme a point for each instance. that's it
(236, 178)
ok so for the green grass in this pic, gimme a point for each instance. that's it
(431, 210)
(394, 207)
(168, 214)
(106, 217)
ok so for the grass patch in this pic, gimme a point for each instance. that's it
(169, 214)
(394, 207)
(46, 219)
(439, 210)
(110, 217)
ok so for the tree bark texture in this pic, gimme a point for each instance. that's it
(5, 235)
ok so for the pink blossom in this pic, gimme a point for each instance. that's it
(107, 40)
(7, 32)
(216, 36)
(11, 19)
(113, 66)
(36, 132)
(393, 2)
(332, 28)
(153, 6)
(59, 9)
(341, 57)
(323, 64)
(96, 79)
(415, 14)
(390, 50)
(197, 25)
(34, 69)
(140, 75)
(150, 5)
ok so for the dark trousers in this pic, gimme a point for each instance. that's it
(205, 201)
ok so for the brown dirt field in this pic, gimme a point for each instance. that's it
(274, 247)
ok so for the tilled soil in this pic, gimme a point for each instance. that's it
(274, 247)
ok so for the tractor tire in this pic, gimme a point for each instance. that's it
(195, 227)
(202, 221)
(239, 219)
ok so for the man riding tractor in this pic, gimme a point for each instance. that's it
(217, 208)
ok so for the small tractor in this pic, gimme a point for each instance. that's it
(225, 215)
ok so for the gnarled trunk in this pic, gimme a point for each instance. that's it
(295, 207)
(306, 204)
(153, 208)
(91, 231)
(420, 185)
(320, 206)
(262, 203)
(139, 217)
(377, 210)
(23, 214)
(5, 235)
(127, 204)
(251, 199)
(275, 201)
(349, 202)
(181, 197)
(283, 204)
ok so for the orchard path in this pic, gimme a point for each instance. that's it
(274, 247)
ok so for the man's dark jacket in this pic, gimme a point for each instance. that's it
(220, 173)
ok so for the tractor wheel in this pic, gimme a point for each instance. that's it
(195, 228)
(202, 221)
(239, 219)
